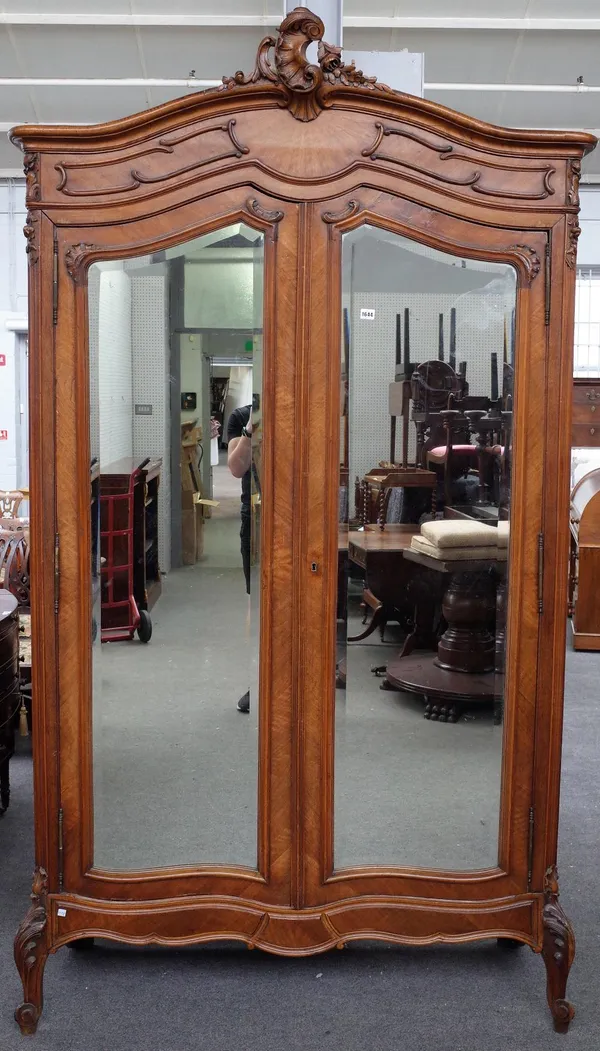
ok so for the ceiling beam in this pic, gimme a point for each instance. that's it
(195, 83)
(575, 89)
(97, 18)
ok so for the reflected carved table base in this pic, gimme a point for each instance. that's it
(445, 692)
(465, 670)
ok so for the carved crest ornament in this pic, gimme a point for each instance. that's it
(282, 60)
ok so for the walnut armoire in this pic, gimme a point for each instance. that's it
(303, 153)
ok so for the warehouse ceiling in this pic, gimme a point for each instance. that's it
(475, 57)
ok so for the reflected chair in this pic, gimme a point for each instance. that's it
(10, 502)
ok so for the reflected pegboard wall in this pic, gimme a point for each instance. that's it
(151, 433)
(115, 394)
(93, 316)
(480, 318)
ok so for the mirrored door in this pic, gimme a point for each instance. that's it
(176, 500)
(427, 394)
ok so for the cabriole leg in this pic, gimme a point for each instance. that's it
(31, 953)
(558, 951)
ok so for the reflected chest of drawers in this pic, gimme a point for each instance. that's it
(585, 429)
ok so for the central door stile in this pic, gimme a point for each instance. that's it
(320, 246)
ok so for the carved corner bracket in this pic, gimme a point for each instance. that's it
(573, 232)
(31, 230)
(31, 166)
(558, 951)
(270, 215)
(529, 258)
(75, 258)
(574, 175)
(351, 209)
(31, 952)
(282, 60)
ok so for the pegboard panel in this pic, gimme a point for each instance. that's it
(151, 366)
(115, 391)
(93, 321)
(480, 319)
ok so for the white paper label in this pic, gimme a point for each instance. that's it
(367, 314)
(61, 912)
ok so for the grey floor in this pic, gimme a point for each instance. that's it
(410, 791)
(222, 998)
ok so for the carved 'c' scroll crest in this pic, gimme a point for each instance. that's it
(282, 60)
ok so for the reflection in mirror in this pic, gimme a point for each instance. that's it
(425, 463)
(175, 343)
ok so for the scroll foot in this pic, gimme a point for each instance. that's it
(31, 953)
(558, 951)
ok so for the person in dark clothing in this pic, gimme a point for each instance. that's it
(239, 461)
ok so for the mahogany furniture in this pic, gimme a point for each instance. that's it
(464, 668)
(584, 577)
(129, 548)
(373, 492)
(10, 501)
(387, 576)
(10, 697)
(585, 429)
(304, 154)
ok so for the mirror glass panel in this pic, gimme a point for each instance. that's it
(175, 344)
(424, 510)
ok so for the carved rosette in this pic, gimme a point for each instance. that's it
(282, 60)
(558, 950)
(75, 259)
(31, 166)
(30, 953)
(529, 258)
(31, 231)
(573, 232)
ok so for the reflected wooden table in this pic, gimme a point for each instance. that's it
(468, 665)
(387, 577)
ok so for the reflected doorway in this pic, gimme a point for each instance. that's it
(176, 617)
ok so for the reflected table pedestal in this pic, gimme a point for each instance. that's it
(466, 668)
(387, 575)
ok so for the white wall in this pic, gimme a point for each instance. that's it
(588, 248)
(115, 367)
(219, 291)
(150, 385)
(386, 275)
(190, 364)
(129, 365)
(13, 305)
